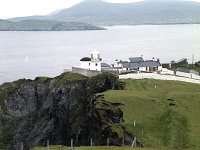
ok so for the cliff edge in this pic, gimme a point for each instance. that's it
(59, 109)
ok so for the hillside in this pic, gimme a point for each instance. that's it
(166, 113)
(4, 23)
(45, 25)
(58, 109)
(144, 12)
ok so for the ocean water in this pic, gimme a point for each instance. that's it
(32, 54)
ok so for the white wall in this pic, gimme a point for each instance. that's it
(142, 69)
(183, 74)
(95, 66)
(85, 64)
(146, 69)
(195, 77)
(167, 71)
(187, 75)
(91, 65)
(159, 68)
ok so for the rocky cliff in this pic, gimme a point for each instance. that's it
(58, 109)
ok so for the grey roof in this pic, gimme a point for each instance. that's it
(117, 67)
(125, 64)
(150, 63)
(122, 62)
(183, 59)
(105, 65)
(136, 59)
(133, 65)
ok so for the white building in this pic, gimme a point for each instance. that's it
(138, 64)
(91, 66)
(91, 63)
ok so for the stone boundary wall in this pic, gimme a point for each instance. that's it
(85, 72)
(188, 75)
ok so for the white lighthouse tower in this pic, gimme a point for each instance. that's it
(95, 63)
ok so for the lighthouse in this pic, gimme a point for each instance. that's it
(92, 63)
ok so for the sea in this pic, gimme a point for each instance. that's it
(35, 53)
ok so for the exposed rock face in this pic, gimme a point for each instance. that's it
(57, 109)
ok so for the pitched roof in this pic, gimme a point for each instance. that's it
(125, 64)
(105, 65)
(150, 63)
(133, 65)
(136, 59)
(183, 59)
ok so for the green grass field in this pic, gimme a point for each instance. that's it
(166, 114)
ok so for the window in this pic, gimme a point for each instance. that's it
(96, 64)
(89, 64)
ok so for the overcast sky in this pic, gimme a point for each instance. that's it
(16, 8)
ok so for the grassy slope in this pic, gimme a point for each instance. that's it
(158, 123)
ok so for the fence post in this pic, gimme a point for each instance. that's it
(22, 146)
(71, 143)
(122, 141)
(135, 142)
(132, 143)
(134, 123)
(48, 144)
(108, 142)
(91, 142)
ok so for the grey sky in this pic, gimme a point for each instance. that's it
(16, 8)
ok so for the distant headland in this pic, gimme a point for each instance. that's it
(45, 25)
